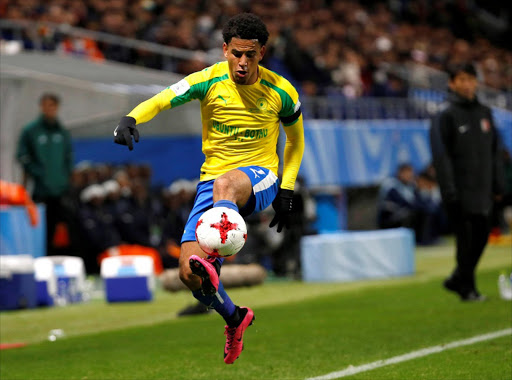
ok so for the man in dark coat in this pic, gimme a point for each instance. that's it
(466, 152)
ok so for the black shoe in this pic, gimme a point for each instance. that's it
(465, 293)
(473, 296)
(196, 309)
(453, 286)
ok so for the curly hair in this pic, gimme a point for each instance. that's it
(246, 26)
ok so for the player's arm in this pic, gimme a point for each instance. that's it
(144, 112)
(148, 109)
(173, 96)
(294, 149)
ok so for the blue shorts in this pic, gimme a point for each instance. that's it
(264, 189)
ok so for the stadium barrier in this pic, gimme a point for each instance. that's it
(339, 153)
(18, 236)
(350, 256)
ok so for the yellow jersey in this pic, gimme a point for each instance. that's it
(240, 123)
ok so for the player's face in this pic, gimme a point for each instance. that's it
(243, 59)
(465, 85)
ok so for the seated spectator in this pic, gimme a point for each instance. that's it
(97, 228)
(432, 220)
(173, 224)
(397, 200)
(136, 215)
(405, 201)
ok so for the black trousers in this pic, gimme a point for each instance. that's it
(471, 233)
(55, 213)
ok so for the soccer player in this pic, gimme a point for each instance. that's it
(242, 104)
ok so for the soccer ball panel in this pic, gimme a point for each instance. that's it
(221, 231)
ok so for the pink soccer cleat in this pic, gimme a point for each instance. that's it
(234, 343)
(205, 269)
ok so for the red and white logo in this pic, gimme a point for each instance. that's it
(485, 125)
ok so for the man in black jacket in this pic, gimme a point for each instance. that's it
(466, 151)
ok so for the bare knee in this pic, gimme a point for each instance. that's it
(234, 186)
(223, 188)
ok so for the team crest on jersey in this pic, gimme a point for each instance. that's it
(485, 124)
(262, 104)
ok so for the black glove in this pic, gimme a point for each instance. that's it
(125, 130)
(282, 205)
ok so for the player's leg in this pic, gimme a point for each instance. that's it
(232, 189)
(263, 185)
(188, 249)
(251, 189)
(199, 272)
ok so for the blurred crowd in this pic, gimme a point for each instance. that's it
(325, 46)
(109, 206)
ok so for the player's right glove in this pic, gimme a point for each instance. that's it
(282, 205)
(124, 132)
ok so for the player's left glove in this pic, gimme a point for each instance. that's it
(124, 132)
(282, 205)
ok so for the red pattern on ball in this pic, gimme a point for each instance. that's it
(224, 226)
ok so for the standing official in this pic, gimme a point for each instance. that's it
(45, 153)
(467, 157)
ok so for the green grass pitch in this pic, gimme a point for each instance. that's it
(301, 330)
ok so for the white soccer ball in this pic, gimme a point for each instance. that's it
(221, 232)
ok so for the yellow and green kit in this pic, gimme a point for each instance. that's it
(240, 123)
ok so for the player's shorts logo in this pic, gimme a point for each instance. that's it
(262, 104)
(256, 172)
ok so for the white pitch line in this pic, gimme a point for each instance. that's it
(412, 355)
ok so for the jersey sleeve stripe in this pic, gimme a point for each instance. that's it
(288, 105)
(196, 90)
